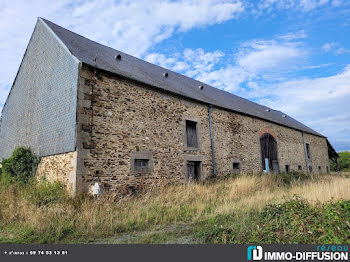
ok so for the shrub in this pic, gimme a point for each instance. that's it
(343, 162)
(20, 166)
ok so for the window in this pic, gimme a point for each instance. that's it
(287, 168)
(191, 133)
(327, 168)
(299, 167)
(193, 170)
(319, 169)
(308, 151)
(141, 164)
(310, 169)
(235, 167)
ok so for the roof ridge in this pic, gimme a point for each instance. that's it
(85, 50)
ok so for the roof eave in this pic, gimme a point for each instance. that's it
(193, 99)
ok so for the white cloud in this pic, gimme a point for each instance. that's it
(337, 48)
(294, 35)
(255, 61)
(268, 5)
(308, 5)
(337, 3)
(131, 26)
(318, 66)
(316, 102)
(302, 5)
(264, 56)
(135, 26)
(328, 46)
(192, 62)
(322, 103)
(260, 70)
(306, 91)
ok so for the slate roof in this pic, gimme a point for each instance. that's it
(131, 67)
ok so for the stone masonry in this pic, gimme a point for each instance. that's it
(74, 103)
(119, 118)
(61, 167)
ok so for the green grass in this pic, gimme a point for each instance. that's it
(293, 222)
(242, 209)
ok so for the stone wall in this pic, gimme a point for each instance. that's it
(237, 138)
(119, 118)
(61, 167)
(127, 119)
(319, 158)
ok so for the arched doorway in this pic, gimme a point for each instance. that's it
(268, 146)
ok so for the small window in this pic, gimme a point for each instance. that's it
(300, 168)
(141, 164)
(327, 168)
(191, 133)
(308, 151)
(193, 170)
(287, 168)
(310, 169)
(235, 167)
(319, 169)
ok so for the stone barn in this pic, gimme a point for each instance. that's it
(97, 115)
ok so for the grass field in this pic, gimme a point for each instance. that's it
(283, 208)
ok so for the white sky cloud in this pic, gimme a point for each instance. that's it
(337, 48)
(259, 70)
(256, 59)
(311, 4)
(322, 103)
(316, 101)
(294, 35)
(303, 5)
(328, 46)
(263, 56)
(130, 26)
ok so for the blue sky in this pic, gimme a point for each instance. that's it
(292, 55)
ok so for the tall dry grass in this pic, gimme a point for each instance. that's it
(84, 219)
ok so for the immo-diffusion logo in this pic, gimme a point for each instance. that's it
(255, 253)
(326, 253)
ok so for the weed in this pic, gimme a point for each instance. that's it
(247, 208)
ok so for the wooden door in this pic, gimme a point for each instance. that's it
(193, 170)
(268, 146)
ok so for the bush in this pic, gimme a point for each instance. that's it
(343, 162)
(20, 166)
